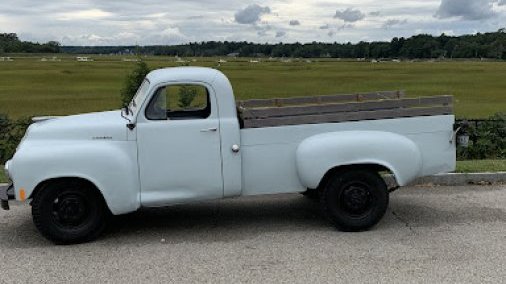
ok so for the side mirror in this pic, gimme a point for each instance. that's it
(462, 134)
(125, 111)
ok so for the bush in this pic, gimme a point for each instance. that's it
(487, 140)
(186, 96)
(11, 133)
(133, 81)
(4, 130)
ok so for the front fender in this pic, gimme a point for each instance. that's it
(110, 165)
(318, 154)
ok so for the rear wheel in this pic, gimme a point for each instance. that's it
(69, 212)
(355, 200)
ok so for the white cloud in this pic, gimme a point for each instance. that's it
(91, 14)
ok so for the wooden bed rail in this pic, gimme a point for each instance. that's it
(324, 109)
(278, 102)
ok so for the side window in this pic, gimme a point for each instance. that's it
(178, 102)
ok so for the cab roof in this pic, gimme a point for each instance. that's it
(189, 74)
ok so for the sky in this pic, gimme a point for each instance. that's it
(154, 22)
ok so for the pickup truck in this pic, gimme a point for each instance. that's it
(184, 138)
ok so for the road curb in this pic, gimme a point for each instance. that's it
(457, 179)
(452, 179)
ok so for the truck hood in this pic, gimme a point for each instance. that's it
(92, 126)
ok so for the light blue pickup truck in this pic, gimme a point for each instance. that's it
(184, 138)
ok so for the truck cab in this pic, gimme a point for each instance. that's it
(186, 128)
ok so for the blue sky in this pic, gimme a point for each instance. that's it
(98, 22)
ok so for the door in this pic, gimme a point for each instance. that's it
(179, 146)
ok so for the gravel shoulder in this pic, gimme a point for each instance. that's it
(429, 234)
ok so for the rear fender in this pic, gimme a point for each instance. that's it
(318, 154)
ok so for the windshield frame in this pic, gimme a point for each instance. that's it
(140, 96)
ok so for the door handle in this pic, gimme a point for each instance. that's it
(213, 129)
(236, 148)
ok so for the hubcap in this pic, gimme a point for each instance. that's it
(355, 199)
(70, 209)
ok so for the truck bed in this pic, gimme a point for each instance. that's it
(339, 108)
(268, 153)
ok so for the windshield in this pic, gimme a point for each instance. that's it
(140, 96)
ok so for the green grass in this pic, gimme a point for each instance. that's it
(462, 167)
(481, 166)
(29, 87)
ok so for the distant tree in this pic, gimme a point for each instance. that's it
(9, 37)
(186, 96)
(9, 42)
(133, 81)
(486, 45)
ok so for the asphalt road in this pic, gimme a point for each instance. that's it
(429, 234)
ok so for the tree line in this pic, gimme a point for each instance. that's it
(481, 45)
(10, 43)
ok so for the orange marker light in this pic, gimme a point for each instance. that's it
(22, 194)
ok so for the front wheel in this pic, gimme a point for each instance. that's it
(355, 200)
(69, 212)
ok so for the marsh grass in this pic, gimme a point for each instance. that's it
(29, 87)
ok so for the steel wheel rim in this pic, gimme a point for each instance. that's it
(70, 210)
(356, 199)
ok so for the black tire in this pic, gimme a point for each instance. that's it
(355, 200)
(69, 212)
(311, 194)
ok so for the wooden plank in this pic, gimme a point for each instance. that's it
(347, 107)
(365, 106)
(277, 102)
(348, 116)
(380, 95)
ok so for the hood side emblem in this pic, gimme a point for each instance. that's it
(102, 138)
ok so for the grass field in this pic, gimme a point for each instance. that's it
(462, 167)
(31, 87)
(481, 166)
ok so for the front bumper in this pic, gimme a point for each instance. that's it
(6, 194)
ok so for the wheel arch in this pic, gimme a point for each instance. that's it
(373, 167)
(67, 179)
(378, 150)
